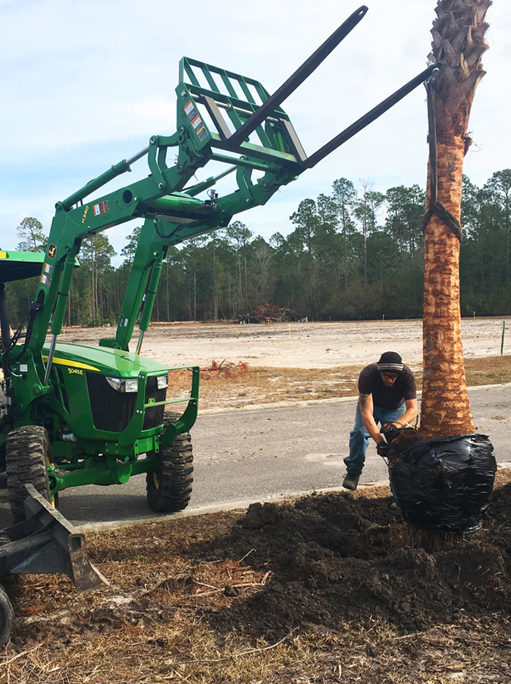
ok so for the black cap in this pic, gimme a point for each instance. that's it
(390, 362)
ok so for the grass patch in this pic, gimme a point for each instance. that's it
(491, 370)
(235, 386)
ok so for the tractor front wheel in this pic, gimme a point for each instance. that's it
(6, 617)
(169, 489)
(27, 456)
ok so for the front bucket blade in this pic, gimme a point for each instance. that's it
(47, 543)
(85, 575)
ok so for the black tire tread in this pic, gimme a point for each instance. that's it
(27, 451)
(6, 617)
(175, 475)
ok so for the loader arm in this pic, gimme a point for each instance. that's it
(222, 117)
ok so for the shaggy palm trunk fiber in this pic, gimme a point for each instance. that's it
(444, 479)
(445, 408)
(458, 44)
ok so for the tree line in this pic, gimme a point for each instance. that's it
(354, 253)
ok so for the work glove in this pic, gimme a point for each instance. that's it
(382, 448)
(390, 431)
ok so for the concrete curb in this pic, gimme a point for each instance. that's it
(217, 508)
(274, 405)
(313, 402)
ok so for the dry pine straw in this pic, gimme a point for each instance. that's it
(226, 384)
(148, 626)
(461, 653)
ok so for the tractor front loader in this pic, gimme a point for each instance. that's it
(76, 415)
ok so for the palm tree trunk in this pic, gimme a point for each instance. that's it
(458, 43)
(445, 408)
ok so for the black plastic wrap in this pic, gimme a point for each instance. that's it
(444, 484)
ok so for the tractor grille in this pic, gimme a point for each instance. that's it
(154, 416)
(113, 410)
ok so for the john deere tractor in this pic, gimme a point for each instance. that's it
(74, 414)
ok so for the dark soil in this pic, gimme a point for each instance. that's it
(336, 559)
(338, 564)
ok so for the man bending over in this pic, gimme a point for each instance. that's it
(387, 395)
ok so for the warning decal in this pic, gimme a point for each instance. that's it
(196, 121)
(101, 208)
(45, 280)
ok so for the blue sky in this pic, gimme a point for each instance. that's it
(85, 83)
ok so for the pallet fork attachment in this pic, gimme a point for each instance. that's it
(298, 77)
(278, 141)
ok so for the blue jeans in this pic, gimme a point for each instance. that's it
(359, 437)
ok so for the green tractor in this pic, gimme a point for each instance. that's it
(103, 411)
(75, 415)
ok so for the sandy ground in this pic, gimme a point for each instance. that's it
(299, 345)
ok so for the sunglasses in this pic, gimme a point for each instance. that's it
(389, 376)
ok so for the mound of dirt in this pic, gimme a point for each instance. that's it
(335, 558)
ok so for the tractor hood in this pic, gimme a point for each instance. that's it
(102, 360)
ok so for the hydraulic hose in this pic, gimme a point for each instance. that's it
(5, 328)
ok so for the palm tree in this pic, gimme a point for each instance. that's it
(458, 44)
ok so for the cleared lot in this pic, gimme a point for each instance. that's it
(299, 345)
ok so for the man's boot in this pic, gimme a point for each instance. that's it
(351, 481)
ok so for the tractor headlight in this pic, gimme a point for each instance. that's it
(163, 381)
(123, 384)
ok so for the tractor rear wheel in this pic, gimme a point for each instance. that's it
(27, 456)
(169, 489)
